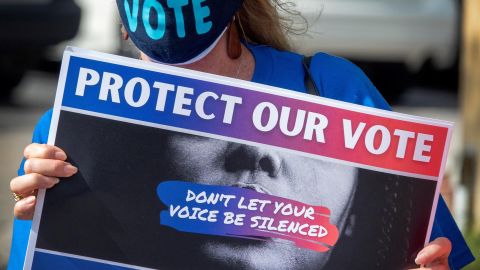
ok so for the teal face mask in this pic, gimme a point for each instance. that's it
(176, 31)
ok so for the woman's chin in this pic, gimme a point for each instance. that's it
(268, 254)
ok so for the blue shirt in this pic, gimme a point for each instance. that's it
(339, 79)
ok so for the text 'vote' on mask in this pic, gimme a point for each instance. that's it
(176, 31)
(155, 8)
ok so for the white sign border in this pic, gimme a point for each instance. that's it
(176, 71)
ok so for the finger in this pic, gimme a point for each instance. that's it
(49, 167)
(25, 208)
(45, 151)
(436, 267)
(26, 184)
(437, 250)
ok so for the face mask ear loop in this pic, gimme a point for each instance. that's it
(240, 25)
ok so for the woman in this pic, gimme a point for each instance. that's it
(200, 35)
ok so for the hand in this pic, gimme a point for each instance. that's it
(44, 165)
(435, 255)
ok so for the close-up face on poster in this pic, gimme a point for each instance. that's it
(180, 169)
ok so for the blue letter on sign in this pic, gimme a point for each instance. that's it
(158, 33)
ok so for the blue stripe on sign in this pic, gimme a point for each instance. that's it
(47, 261)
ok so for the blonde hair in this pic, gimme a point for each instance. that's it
(268, 22)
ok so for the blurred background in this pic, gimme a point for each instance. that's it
(423, 55)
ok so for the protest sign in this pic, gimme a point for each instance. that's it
(180, 169)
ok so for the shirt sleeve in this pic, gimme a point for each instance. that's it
(21, 228)
(444, 226)
(342, 80)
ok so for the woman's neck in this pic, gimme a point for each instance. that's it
(218, 62)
